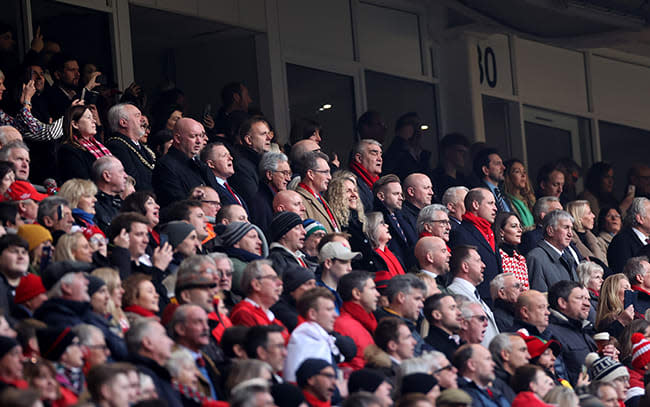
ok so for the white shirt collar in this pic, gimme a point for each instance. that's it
(640, 235)
(429, 273)
(269, 313)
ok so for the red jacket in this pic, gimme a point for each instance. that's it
(528, 399)
(247, 314)
(348, 325)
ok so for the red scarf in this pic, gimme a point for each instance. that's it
(93, 146)
(313, 401)
(143, 312)
(483, 226)
(596, 293)
(363, 173)
(322, 201)
(367, 319)
(394, 266)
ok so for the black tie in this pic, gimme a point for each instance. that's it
(478, 297)
(570, 263)
(501, 203)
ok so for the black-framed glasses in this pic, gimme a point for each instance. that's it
(481, 318)
(323, 171)
(331, 376)
(213, 203)
(444, 222)
(272, 277)
(449, 367)
(286, 173)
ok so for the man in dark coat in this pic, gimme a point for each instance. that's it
(288, 235)
(128, 127)
(12, 267)
(476, 230)
(542, 206)
(178, 171)
(636, 269)
(149, 350)
(475, 376)
(296, 280)
(110, 178)
(629, 241)
(366, 164)
(275, 174)
(255, 139)
(505, 289)
(570, 305)
(418, 193)
(217, 157)
(443, 315)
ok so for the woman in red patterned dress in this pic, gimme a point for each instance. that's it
(507, 231)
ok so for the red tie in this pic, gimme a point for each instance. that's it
(301, 261)
(232, 193)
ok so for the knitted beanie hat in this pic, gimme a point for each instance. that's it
(308, 369)
(6, 345)
(640, 351)
(235, 231)
(29, 287)
(282, 223)
(176, 231)
(287, 395)
(604, 368)
(94, 284)
(312, 226)
(295, 276)
(34, 234)
(54, 341)
(418, 383)
(365, 380)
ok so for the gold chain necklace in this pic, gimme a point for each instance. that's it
(142, 159)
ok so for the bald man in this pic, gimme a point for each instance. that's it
(531, 313)
(433, 257)
(178, 171)
(289, 201)
(9, 134)
(418, 193)
(301, 148)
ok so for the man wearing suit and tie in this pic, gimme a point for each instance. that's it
(220, 161)
(632, 239)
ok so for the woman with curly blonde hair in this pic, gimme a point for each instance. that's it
(343, 197)
(583, 223)
(519, 192)
(611, 316)
(73, 246)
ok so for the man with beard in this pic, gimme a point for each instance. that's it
(127, 125)
(189, 329)
(317, 379)
(65, 89)
(444, 317)
(489, 168)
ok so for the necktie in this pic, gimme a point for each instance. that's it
(489, 392)
(398, 226)
(200, 362)
(232, 192)
(478, 297)
(569, 260)
(501, 203)
(301, 261)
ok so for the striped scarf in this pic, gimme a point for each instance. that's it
(92, 145)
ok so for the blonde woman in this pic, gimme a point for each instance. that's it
(115, 292)
(611, 315)
(561, 396)
(343, 197)
(73, 246)
(583, 223)
(80, 193)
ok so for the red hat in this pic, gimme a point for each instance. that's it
(29, 287)
(22, 190)
(640, 351)
(537, 346)
(90, 231)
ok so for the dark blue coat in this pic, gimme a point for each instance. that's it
(481, 398)
(576, 339)
(402, 247)
(468, 234)
(246, 177)
(624, 245)
(161, 379)
(409, 214)
(227, 198)
(261, 208)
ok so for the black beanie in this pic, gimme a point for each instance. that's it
(366, 380)
(308, 369)
(6, 345)
(176, 232)
(295, 276)
(287, 395)
(418, 383)
(94, 284)
(54, 341)
(282, 223)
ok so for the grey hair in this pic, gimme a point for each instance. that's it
(177, 360)
(136, 334)
(361, 146)
(243, 395)
(4, 132)
(633, 268)
(310, 162)
(252, 271)
(56, 291)
(178, 317)
(498, 283)
(561, 396)
(542, 205)
(48, 207)
(115, 114)
(218, 256)
(193, 263)
(466, 309)
(373, 220)
(553, 218)
(586, 270)
(500, 343)
(451, 194)
(403, 283)
(637, 208)
(270, 161)
(85, 332)
(5, 151)
(101, 165)
(426, 215)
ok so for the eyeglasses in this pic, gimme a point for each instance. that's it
(481, 318)
(444, 222)
(449, 367)
(226, 274)
(323, 171)
(98, 240)
(330, 376)
(98, 347)
(272, 277)
(213, 203)
(286, 173)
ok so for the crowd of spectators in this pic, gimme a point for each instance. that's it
(153, 259)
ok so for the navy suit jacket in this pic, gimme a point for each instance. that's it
(401, 248)
(408, 217)
(467, 234)
(227, 198)
(624, 245)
